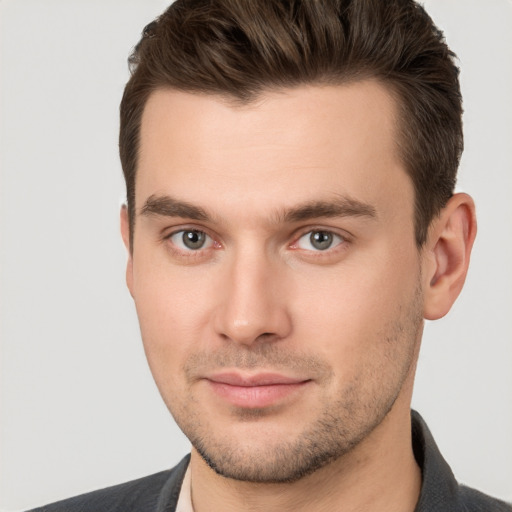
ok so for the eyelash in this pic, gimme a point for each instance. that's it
(340, 241)
(335, 238)
(190, 254)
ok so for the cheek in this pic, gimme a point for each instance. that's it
(173, 313)
(349, 312)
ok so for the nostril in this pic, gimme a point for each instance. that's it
(267, 337)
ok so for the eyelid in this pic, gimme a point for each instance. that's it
(344, 235)
(335, 242)
(180, 243)
(169, 232)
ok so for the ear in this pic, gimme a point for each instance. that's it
(125, 233)
(447, 253)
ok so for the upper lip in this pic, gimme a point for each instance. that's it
(258, 379)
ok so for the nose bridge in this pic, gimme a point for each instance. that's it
(253, 305)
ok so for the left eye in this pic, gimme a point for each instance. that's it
(191, 240)
(319, 240)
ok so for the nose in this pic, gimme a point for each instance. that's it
(253, 306)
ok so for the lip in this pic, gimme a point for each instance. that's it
(255, 391)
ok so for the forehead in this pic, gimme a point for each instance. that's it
(289, 145)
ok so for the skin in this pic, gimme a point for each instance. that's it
(342, 321)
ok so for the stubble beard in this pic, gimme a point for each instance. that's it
(330, 437)
(340, 427)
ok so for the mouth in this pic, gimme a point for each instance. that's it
(255, 391)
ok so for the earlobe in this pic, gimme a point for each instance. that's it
(125, 233)
(447, 254)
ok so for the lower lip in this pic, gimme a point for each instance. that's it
(255, 397)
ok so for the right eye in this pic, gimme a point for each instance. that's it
(191, 240)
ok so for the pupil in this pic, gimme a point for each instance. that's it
(321, 240)
(193, 239)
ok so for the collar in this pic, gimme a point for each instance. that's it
(440, 492)
(439, 489)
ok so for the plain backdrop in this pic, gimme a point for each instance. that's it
(79, 409)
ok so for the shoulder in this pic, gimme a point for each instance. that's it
(145, 494)
(440, 491)
(472, 500)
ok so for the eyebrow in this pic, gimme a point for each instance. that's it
(167, 206)
(341, 206)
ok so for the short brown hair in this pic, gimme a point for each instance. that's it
(240, 48)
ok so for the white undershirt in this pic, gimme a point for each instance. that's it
(185, 498)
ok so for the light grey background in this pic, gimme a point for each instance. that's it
(79, 409)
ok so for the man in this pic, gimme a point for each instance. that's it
(290, 224)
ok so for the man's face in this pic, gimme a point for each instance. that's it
(275, 273)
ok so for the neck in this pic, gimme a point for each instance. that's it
(380, 474)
